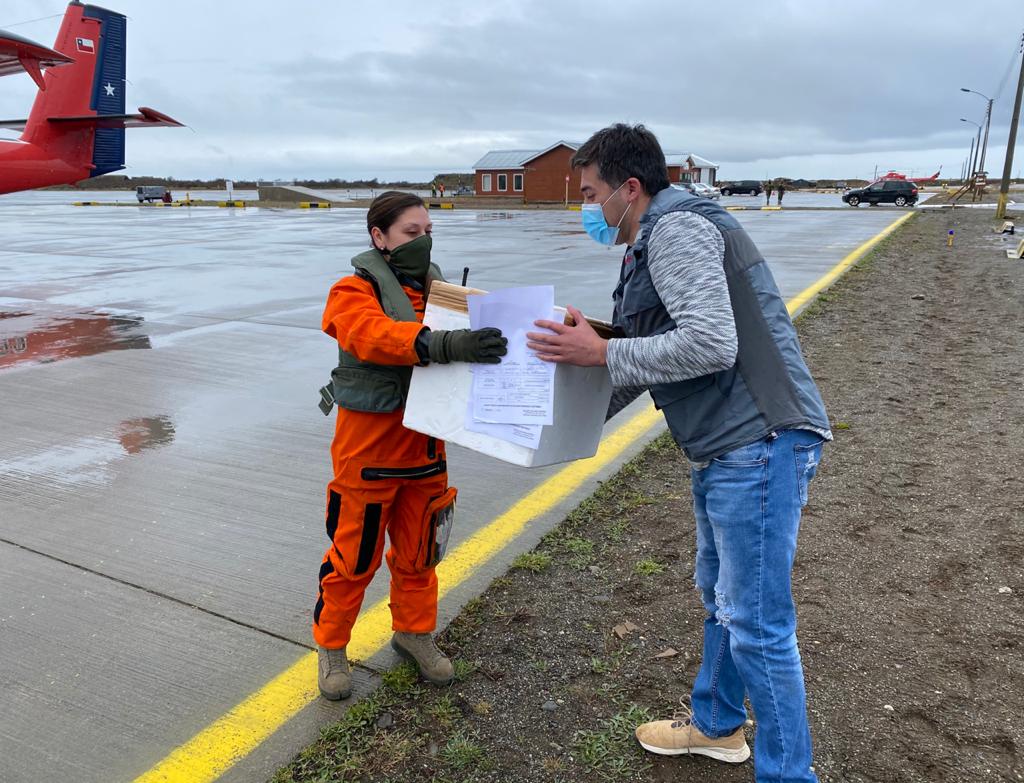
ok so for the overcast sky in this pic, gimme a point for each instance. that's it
(397, 89)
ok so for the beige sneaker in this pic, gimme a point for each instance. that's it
(679, 737)
(419, 648)
(334, 676)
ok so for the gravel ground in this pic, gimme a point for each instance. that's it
(909, 579)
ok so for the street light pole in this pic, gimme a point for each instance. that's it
(988, 120)
(1004, 186)
(970, 159)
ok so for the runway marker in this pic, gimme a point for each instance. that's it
(226, 741)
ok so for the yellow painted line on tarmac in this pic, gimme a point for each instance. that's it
(226, 741)
(833, 274)
(223, 743)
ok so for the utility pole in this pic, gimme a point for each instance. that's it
(970, 158)
(1004, 186)
(984, 144)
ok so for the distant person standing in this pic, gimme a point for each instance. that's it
(767, 193)
(442, 189)
(781, 191)
(433, 190)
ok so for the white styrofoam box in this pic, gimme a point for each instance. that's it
(439, 395)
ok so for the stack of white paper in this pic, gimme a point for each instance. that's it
(514, 399)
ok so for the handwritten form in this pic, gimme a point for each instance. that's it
(514, 399)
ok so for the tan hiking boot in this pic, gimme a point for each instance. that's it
(678, 737)
(334, 676)
(434, 665)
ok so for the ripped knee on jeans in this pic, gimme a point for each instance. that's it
(725, 609)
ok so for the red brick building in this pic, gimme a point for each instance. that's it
(532, 175)
(545, 175)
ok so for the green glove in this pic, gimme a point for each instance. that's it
(480, 346)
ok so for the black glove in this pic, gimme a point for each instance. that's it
(481, 346)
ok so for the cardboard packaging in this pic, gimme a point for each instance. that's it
(439, 395)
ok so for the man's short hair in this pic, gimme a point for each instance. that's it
(622, 151)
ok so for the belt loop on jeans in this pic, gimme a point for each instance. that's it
(772, 435)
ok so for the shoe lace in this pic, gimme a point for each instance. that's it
(429, 647)
(683, 714)
(336, 659)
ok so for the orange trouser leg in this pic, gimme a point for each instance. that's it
(413, 583)
(357, 516)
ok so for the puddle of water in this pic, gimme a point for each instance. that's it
(137, 435)
(40, 338)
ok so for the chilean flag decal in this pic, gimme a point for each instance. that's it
(86, 45)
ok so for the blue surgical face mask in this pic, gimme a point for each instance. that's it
(596, 226)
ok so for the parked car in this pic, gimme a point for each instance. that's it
(707, 191)
(900, 192)
(698, 189)
(464, 190)
(742, 187)
(150, 193)
(687, 186)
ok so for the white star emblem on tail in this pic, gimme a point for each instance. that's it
(109, 88)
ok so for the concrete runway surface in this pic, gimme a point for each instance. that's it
(163, 461)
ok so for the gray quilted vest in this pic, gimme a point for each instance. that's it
(769, 388)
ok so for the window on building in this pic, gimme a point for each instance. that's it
(503, 182)
(517, 182)
(485, 183)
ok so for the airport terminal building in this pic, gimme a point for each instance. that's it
(545, 175)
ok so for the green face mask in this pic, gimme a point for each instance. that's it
(412, 258)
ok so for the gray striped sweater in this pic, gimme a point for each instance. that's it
(686, 257)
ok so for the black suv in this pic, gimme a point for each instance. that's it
(901, 192)
(751, 186)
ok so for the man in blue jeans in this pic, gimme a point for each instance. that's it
(700, 324)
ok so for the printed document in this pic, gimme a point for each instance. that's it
(520, 390)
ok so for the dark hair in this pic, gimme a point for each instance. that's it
(385, 209)
(622, 151)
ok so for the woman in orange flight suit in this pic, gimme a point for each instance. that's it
(386, 478)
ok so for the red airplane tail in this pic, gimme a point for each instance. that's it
(66, 116)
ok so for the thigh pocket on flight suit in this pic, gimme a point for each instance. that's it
(437, 529)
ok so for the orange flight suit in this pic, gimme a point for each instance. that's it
(385, 478)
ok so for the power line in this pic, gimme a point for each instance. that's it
(30, 21)
(1009, 69)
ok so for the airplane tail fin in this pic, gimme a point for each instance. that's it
(94, 84)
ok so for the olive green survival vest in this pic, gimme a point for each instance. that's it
(366, 387)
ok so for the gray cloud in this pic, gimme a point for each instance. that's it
(409, 88)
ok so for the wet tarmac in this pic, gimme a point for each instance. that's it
(163, 460)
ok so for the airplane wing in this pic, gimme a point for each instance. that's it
(19, 54)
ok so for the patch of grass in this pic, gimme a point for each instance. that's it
(617, 530)
(842, 425)
(483, 708)
(649, 567)
(342, 750)
(600, 665)
(610, 750)
(532, 561)
(540, 664)
(401, 680)
(579, 546)
(444, 711)
(553, 765)
(462, 751)
(464, 669)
